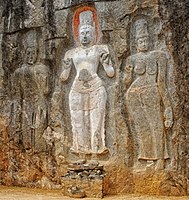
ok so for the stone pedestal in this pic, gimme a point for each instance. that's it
(84, 180)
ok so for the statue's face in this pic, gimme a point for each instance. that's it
(86, 35)
(142, 44)
(31, 55)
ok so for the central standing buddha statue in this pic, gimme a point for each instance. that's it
(87, 97)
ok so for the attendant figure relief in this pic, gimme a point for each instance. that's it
(147, 101)
(32, 89)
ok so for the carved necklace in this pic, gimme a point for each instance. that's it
(87, 51)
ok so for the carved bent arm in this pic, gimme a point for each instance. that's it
(42, 78)
(106, 62)
(168, 114)
(45, 84)
(128, 72)
(16, 82)
(66, 68)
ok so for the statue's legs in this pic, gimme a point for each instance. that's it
(97, 119)
(40, 123)
(87, 118)
(151, 100)
(142, 136)
(77, 120)
(144, 109)
(144, 105)
(28, 130)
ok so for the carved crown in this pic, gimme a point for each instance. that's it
(86, 18)
(141, 28)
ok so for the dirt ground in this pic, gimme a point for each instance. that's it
(15, 193)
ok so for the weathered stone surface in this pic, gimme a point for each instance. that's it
(84, 180)
(123, 101)
(145, 78)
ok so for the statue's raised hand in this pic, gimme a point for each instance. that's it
(105, 58)
(66, 69)
(67, 63)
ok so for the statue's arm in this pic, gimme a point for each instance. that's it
(106, 62)
(128, 71)
(16, 80)
(66, 67)
(46, 85)
(45, 81)
(168, 113)
(41, 75)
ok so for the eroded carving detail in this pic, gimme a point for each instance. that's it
(33, 81)
(87, 98)
(148, 101)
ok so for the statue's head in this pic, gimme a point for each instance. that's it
(86, 35)
(31, 55)
(141, 35)
(142, 44)
(86, 28)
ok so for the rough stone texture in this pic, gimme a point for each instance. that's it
(35, 122)
(176, 21)
(84, 180)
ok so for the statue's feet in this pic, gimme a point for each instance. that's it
(103, 151)
(73, 150)
(80, 151)
(89, 152)
(139, 166)
(150, 165)
(159, 165)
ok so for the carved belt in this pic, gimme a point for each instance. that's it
(87, 86)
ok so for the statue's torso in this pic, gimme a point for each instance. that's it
(87, 58)
(86, 62)
(145, 68)
(31, 80)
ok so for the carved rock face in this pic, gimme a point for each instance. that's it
(142, 44)
(123, 122)
(31, 55)
(86, 35)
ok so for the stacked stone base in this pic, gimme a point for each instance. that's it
(84, 180)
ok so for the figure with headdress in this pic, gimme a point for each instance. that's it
(87, 97)
(148, 101)
(31, 82)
